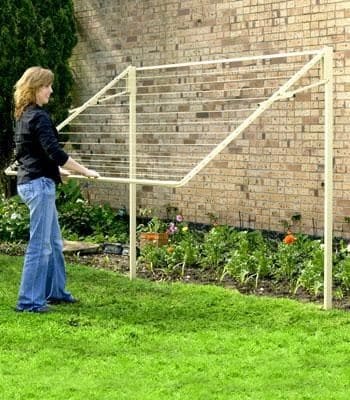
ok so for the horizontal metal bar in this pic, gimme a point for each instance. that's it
(144, 182)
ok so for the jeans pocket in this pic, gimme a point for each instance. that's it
(48, 186)
(25, 191)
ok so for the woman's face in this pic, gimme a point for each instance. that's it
(43, 95)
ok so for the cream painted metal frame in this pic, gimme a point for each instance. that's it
(322, 57)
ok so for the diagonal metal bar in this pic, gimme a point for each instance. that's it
(262, 107)
(93, 99)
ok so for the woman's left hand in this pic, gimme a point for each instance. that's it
(64, 172)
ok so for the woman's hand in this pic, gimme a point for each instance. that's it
(64, 172)
(71, 164)
(90, 173)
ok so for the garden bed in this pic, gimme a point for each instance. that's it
(120, 264)
(254, 262)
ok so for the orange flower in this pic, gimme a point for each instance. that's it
(289, 239)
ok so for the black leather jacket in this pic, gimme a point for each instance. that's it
(38, 151)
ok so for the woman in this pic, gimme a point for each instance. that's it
(39, 156)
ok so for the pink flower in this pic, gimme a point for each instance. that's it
(179, 218)
(172, 228)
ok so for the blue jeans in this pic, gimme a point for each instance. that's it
(44, 275)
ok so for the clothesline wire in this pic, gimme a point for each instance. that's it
(152, 156)
(177, 122)
(125, 133)
(236, 71)
(283, 77)
(147, 163)
(138, 144)
(143, 169)
(166, 112)
(182, 102)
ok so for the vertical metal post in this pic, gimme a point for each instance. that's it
(132, 171)
(328, 176)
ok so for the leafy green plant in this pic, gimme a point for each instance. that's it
(150, 222)
(251, 259)
(75, 217)
(185, 253)
(70, 191)
(290, 258)
(12, 248)
(14, 220)
(153, 256)
(216, 246)
(181, 251)
(80, 219)
(311, 276)
(342, 275)
(155, 225)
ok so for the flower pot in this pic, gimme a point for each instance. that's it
(157, 239)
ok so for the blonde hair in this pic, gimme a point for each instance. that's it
(27, 86)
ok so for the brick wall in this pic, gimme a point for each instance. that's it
(275, 169)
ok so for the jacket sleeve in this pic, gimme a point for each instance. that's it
(46, 134)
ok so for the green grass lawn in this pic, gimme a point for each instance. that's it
(145, 341)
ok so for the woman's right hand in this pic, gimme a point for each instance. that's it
(90, 173)
(71, 164)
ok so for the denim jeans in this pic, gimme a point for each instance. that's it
(44, 275)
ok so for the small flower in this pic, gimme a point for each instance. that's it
(170, 249)
(172, 228)
(289, 239)
(184, 229)
(179, 218)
